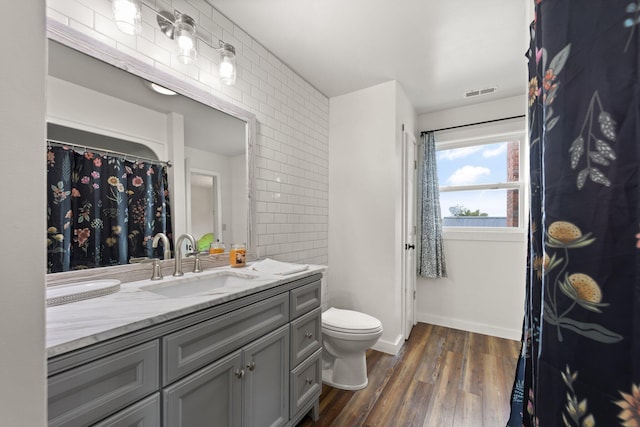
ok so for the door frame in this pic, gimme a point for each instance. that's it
(409, 231)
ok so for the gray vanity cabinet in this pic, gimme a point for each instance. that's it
(250, 362)
(248, 388)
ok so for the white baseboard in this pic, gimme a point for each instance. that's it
(466, 325)
(389, 347)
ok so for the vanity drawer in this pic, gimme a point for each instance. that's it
(89, 393)
(306, 382)
(305, 298)
(196, 346)
(143, 414)
(306, 336)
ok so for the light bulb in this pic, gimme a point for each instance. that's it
(227, 66)
(185, 42)
(227, 73)
(127, 16)
(185, 37)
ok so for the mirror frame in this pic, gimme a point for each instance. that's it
(89, 46)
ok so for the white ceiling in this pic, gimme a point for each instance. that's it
(436, 49)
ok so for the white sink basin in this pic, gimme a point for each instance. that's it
(199, 284)
(64, 294)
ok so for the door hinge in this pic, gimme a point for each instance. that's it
(414, 294)
(415, 165)
(403, 126)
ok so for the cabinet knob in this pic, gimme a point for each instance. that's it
(308, 335)
(309, 380)
(239, 373)
(251, 366)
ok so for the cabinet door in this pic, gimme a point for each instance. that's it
(209, 397)
(305, 298)
(86, 394)
(306, 383)
(306, 336)
(143, 414)
(195, 347)
(266, 387)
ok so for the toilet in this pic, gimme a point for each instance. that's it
(346, 336)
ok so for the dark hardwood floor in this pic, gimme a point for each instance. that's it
(440, 378)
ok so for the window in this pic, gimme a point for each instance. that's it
(480, 182)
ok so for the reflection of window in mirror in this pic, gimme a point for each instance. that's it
(205, 217)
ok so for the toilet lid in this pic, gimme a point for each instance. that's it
(350, 321)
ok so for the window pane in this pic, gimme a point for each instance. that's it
(479, 164)
(480, 208)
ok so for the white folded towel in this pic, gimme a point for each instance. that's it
(271, 266)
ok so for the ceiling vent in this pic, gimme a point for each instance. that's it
(478, 92)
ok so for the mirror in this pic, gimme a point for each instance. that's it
(207, 140)
(203, 192)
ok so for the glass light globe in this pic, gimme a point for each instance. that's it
(127, 16)
(185, 41)
(227, 66)
(185, 37)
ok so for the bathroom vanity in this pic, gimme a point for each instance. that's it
(245, 354)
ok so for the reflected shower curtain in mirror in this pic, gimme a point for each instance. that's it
(102, 210)
(580, 361)
(432, 261)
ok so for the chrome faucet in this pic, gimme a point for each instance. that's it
(178, 266)
(165, 244)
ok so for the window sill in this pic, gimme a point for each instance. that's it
(486, 234)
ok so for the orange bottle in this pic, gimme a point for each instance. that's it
(216, 248)
(238, 255)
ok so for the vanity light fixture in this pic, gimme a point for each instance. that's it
(181, 28)
(127, 15)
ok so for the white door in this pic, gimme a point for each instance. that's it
(409, 172)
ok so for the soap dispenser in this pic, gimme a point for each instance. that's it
(216, 247)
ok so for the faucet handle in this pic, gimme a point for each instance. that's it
(157, 270)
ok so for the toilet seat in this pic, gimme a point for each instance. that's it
(350, 322)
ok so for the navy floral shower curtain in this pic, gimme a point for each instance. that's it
(580, 362)
(102, 210)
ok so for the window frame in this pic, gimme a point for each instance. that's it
(485, 138)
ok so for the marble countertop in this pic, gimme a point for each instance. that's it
(82, 323)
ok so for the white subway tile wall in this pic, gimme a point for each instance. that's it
(292, 153)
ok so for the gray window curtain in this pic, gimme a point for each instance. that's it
(432, 262)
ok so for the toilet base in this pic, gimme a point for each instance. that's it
(347, 373)
(327, 378)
